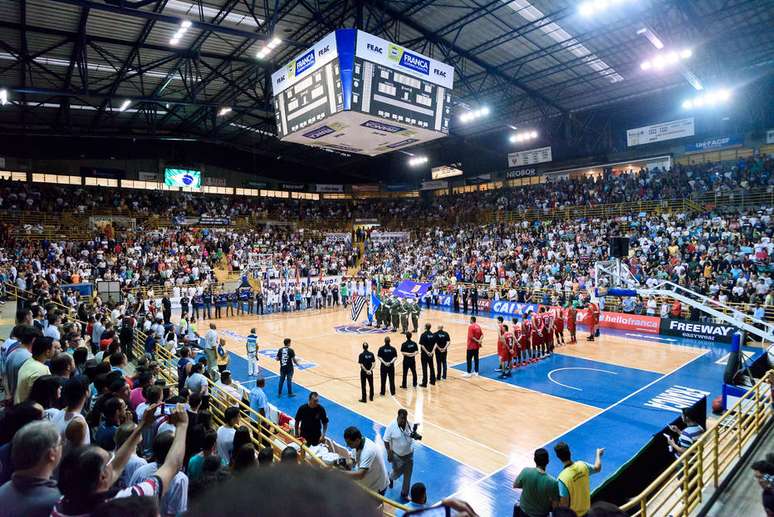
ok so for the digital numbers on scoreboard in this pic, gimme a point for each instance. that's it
(382, 91)
(309, 100)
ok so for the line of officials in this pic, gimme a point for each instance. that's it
(431, 349)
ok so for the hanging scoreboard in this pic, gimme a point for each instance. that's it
(358, 93)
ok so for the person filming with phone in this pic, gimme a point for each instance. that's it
(399, 441)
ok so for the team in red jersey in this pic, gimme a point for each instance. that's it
(572, 314)
(508, 352)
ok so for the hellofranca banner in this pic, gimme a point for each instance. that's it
(410, 289)
(698, 330)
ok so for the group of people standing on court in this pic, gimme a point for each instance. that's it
(432, 350)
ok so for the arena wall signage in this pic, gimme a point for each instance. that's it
(660, 132)
(327, 187)
(770, 136)
(520, 173)
(529, 157)
(149, 176)
(292, 186)
(434, 185)
(444, 171)
(355, 92)
(389, 236)
(338, 237)
(212, 220)
(714, 143)
(697, 330)
(512, 308)
(365, 188)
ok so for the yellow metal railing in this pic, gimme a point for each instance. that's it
(688, 482)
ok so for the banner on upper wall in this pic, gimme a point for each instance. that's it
(530, 157)
(213, 182)
(660, 132)
(213, 220)
(313, 58)
(292, 186)
(434, 185)
(411, 289)
(512, 308)
(365, 188)
(149, 176)
(327, 187)
(698, 330)
(770, 136)
(712, 144)
(524, 172)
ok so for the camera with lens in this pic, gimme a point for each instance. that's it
(414, 435)
(341, 463)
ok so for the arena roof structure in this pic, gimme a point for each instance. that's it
(182, 70)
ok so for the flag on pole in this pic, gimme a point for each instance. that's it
(375, 303)
(357, 307)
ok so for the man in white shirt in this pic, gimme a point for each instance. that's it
(210, 347)
(368, 467)
(399, 442)
(226, 432)
(52, 330)
(175, 500)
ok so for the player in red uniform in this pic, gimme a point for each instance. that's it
(500, 343)
(572, 314)
(593, 320)
(548, 331)
(517, 345)
(537, 336)
(559, 325)
(526, 341)
(507, 352)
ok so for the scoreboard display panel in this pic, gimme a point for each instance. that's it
(310, 100)
(391, 94)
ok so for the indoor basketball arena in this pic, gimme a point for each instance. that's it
(360, 258)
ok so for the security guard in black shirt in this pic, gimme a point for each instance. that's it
(409, 349)
(388, 356)
(441, 347)
(427, 345)
(366, 361)
(184, 304)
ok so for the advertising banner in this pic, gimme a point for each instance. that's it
(411, 289)
(529, 157)
(391, 55)
(365, 188)
(389, 236)
(660, 132)
(512, 308)
(327, 187)
(697, 330)
(770, 136)
(322, 52)
(434, 185)
(292, 186)
(338, 237)
(636, 322)
(149, 176)
(520, 173)
(714, 143)
(214, 220)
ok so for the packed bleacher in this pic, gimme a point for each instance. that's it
(82, 428)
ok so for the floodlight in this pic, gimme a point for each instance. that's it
(686, 53)
(3, 97)
(274, 43)
(124, 105)
(185, 24)
(224, 111)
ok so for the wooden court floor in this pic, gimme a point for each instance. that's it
(480, 422)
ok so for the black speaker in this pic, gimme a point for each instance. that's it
(619, 247)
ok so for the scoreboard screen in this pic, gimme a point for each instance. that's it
(309, 100)
(388, 93)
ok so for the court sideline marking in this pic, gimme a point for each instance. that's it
(574, 368)
(595, 416)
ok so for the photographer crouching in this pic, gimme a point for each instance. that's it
(399, 441)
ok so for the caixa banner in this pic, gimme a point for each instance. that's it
(698, 330)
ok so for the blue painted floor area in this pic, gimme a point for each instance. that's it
(623, 428)
(441, 474)
(573, 378)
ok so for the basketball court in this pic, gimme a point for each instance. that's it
(615, 392)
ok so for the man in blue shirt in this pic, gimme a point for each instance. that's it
(259, 402)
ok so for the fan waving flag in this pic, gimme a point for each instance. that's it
(357, 307)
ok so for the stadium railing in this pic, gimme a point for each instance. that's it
(263, 431)
(693, 478)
